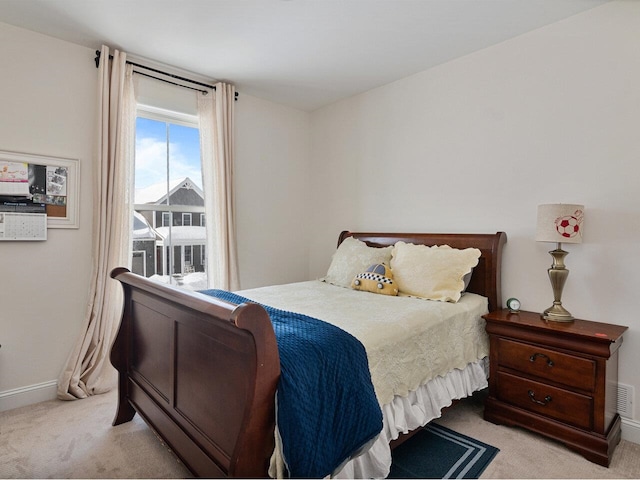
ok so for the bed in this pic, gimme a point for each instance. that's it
(203, 372)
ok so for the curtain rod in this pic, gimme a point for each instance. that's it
(97, 60)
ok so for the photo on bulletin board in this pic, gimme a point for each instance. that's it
(37, 181)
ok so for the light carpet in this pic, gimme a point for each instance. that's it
(57, 439)
(75, 439)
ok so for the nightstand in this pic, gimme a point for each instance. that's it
(556, 379)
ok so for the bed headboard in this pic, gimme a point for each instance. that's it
(486, 278)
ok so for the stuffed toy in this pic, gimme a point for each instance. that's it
(377, 279)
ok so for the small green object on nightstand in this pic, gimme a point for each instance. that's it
(513, 304)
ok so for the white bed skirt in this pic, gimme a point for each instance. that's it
(404, 414)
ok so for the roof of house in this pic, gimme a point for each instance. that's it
(183, 235)
(157, 193)
(141, 228)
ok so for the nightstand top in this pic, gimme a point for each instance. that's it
(594, 331)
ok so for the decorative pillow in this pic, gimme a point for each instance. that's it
(377, 279)
(352, 257)
(434, 273)
(467, 278)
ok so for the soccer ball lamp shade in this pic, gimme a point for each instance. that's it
(559, 223)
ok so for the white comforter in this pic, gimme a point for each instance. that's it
(422, 354)
(408, 340)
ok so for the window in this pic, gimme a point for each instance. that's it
(168, 193)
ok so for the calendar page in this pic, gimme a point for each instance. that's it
(23, 226)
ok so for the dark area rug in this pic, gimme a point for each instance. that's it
(437, 452)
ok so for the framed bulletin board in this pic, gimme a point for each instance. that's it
(35, 179)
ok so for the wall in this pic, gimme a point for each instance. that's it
(273, 204)
(477, 143)
(47, 93)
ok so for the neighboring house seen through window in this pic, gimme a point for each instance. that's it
(168, 244)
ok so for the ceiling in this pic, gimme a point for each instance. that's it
(300, 53)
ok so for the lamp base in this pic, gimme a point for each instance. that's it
(557, 313)
(558, 275)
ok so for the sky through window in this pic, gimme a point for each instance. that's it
(151, 147)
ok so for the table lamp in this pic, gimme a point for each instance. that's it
(559, 223)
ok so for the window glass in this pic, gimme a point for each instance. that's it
(168, 195)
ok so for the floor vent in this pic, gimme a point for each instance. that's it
(625, 400)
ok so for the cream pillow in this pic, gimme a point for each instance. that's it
(352, 257)
(434, 273)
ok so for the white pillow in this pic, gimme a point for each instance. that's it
(352, 257)
(434, 273)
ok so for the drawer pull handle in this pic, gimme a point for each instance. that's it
(533, 357)
(532, 396)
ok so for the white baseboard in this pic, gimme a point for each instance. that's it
(631, 430)
(20, 397)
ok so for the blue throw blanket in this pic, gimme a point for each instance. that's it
(326, 406)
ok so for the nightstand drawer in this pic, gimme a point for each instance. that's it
(563, 405)
(562, 368)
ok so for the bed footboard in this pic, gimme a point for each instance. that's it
(202, 374)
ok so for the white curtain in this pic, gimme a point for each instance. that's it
(216, 114)
(88, 370)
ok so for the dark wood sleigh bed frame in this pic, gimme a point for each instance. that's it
(203, 373)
